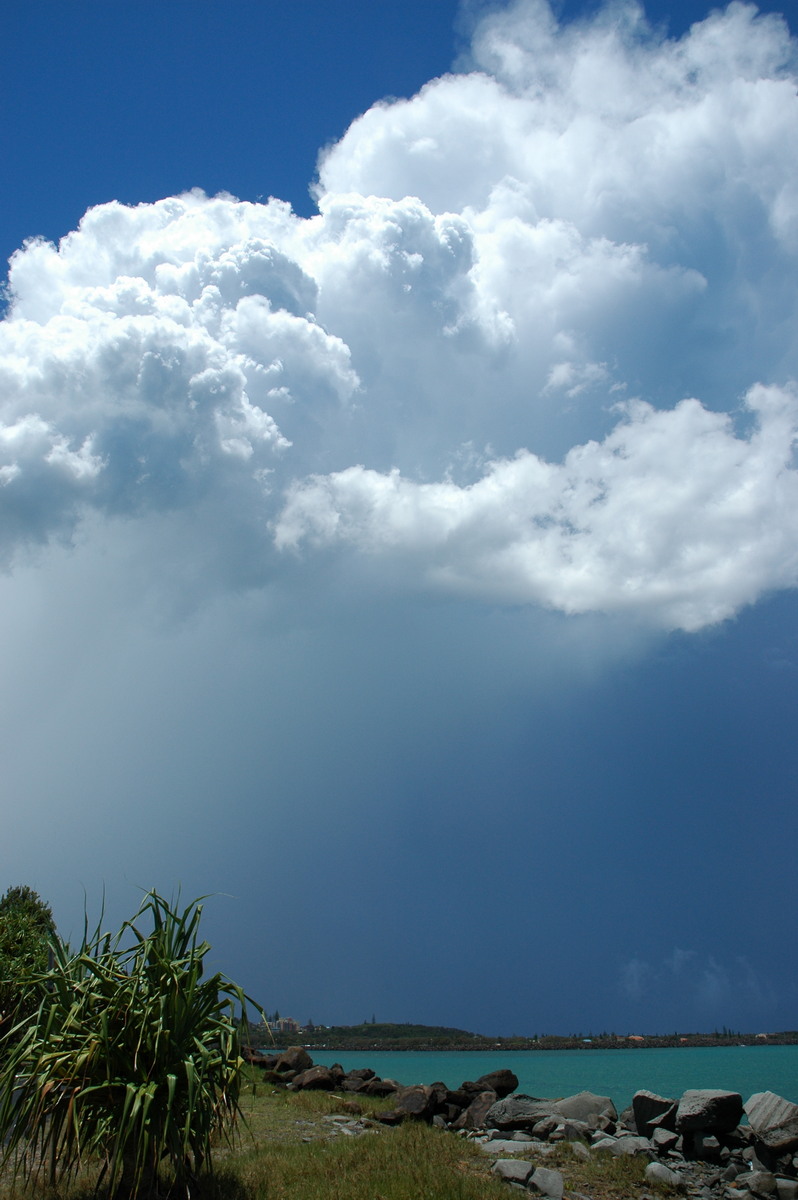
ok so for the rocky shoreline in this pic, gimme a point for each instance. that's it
(696, 1143)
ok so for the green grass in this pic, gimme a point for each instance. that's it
(287, 1151)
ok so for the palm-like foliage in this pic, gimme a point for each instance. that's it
(132, 1056)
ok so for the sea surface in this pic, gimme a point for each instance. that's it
(615, 1073)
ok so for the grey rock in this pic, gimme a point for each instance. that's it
(651, 1111)
(627, 1119)
(732, 1171)
(575, 1131)
(657, 1172)
(604, 1143)
(295, 1059)
(518, 1112)
(711, 1109)
(315, 1078)
(663, 1139)
(546, 1127)
(773, 1119)
(512, 1169)
(787, 1189)
(631, 1145)
(392, 1117)
(378, 1087)
(419, 1102)
(580, 1150)
(751, 1156)
(501, 1082)
(475, 1115)
(761, 1183)
(548, 1182)
(501, 1146)
(586, 1106)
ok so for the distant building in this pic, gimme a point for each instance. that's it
(285, 1025)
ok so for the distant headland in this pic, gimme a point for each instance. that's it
(372, 1035)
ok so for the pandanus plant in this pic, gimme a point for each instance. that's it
(132, 1059)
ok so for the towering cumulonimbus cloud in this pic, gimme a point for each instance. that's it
(537, 346)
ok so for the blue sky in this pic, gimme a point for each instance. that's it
(410, 560)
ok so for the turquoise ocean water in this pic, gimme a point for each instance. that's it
(615, 1073)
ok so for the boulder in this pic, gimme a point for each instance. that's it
(546, 1127)
(356, 1080)
(651, 1110)
(474, 1116)
(419, 1102)
(258, 1059)
(773, 1119)
(518, 1112)
(501, 1146)
(574, 1131)
(378, 1087)
(547, 1182)
(587, 1107)
(295, 1059)
(658, 1173)
(393, 1116)
(761, 1183)
(604, 1143)
(315, 1078)
(352, 1085)
(440, 1096)
(501, 1082)
(630, 1145)
(663, 1139)
(514, 1170)
(709, 1109)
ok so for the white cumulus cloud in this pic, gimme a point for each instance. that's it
(537, 345)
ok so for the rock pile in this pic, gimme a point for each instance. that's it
(696, 1143)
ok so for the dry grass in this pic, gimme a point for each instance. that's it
(605, 1176)
(287, 1151)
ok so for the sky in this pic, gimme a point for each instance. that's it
(398, 503)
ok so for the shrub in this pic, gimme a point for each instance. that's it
(26, 931)
(131, 1056)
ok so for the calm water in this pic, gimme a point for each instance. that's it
(615, 1073)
